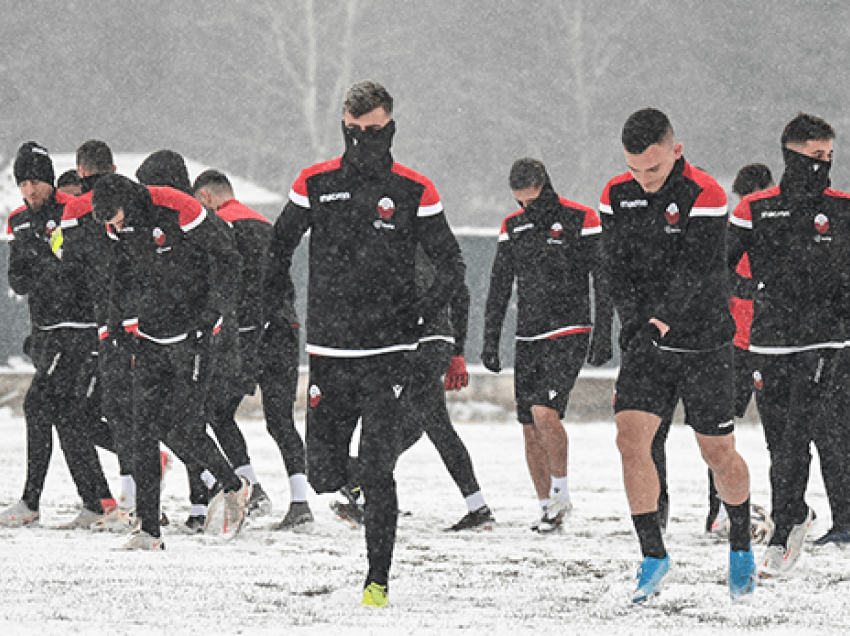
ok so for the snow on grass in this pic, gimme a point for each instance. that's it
(507, 581)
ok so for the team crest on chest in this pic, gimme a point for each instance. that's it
(386, 208)
(556, 230)
(555, 233)
(50, 228)
(158, 236)
(672, 214)
(822, 223)
(315, 396)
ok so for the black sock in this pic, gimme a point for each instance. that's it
(739, 526)
(234, 483)
(649, 535)
(95, 507)
(374, 576)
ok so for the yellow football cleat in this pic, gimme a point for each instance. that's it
(375, 595)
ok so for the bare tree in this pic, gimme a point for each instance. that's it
(585, 57)
(316, 52)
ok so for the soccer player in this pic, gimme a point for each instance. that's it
(268, 345)
(366, 215)
(796, 238)
(664, 228)
(64, 334)
(550, 246)
(168, 168)
(182, 276)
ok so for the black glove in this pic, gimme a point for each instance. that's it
(490, 358)
(645, 340)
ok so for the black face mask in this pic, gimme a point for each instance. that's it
(369, 150)
(804, 175)
(545, 201)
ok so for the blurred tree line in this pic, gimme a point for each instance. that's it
(255, 88)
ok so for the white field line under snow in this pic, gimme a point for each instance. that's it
(508, 581)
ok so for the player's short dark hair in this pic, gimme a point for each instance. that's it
(526, 173)
(213, 179)
(69, 177)
(113, 191)
(95, 156)
(645, 128)
(753, 177)
(364, 97)
(805, 128)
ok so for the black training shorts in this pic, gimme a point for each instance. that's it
(545, 372)
(652, 379)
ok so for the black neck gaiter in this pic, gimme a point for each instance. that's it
(546, 202)
(804, 176)
(368, 151)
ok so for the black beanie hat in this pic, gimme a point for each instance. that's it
(165, 168)
(33, 163)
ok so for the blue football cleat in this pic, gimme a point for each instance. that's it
(650, 575)
(743, 574)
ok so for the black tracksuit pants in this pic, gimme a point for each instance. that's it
(116, 383)
(278, 379)
(279, 384)
(59, 395)
(169, 389)
(373, 389)
(800, 402)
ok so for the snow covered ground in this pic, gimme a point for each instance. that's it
(508, 581)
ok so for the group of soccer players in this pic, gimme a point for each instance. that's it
(157, 304)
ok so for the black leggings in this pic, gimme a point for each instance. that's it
(429, 414)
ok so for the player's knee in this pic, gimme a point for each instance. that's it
(720, 457)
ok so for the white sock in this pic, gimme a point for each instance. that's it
(196, 510)
(544, 503)
(208, 479)
(475, 501)
(128, 492)
(560, 485)
(247, 471)
(298, 486)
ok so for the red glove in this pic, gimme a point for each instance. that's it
(457, 377)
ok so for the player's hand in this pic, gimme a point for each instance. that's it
(490, 360)
(457, 377)
(644, 340)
